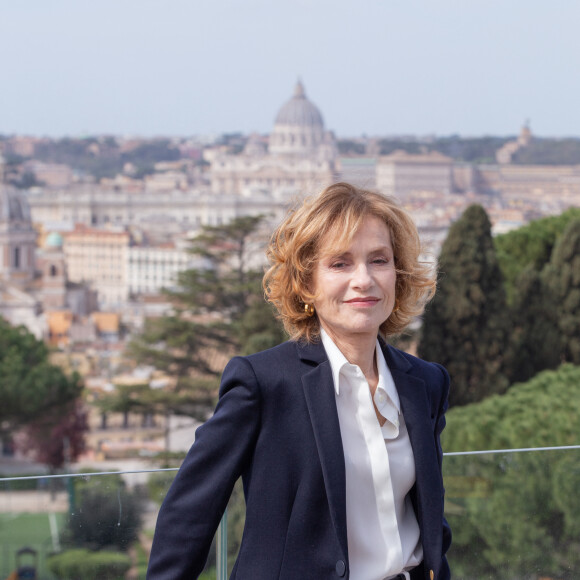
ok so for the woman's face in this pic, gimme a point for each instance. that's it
(355, 286)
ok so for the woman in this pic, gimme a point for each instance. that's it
(335, 433)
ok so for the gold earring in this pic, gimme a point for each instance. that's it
(397, 306)
(309, 309)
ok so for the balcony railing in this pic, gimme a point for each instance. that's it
(515, 515)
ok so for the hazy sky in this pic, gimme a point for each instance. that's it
(375, 67)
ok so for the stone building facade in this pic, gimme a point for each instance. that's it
(300, 158)
(402, 173)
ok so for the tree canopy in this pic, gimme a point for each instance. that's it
(562, 278)
(30, 386)
(540, 263)
(107, 515)
(104, 157)
(465, 327)
(58, 436)
(549, 152)
(218, 311)
(535, 338)
(530, 246)
(516, 514)
(541, 412)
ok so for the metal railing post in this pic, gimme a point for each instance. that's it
(222, 548)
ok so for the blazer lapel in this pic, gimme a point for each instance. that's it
(416, 411)
(321, 401)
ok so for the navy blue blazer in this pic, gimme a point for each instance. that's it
(276, 426)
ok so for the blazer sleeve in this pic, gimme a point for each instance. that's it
(440, 425)
(196, 500)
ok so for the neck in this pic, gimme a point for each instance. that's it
(359, 350)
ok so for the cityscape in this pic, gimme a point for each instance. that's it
(95, 232)
(148, 151)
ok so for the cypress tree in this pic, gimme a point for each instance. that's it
(562, 276)
(465, 327)
(535, 337)
(530, 247)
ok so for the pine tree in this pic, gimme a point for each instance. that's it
(465, 328)
(214, 312)
(562, 276)
(31, 387)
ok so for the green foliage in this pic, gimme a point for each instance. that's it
(142, 561)
(24, 529)
(86, 565)
(465, 327)
(19, 485)
(25, 181)
(236, 522)
(469, 149)
(350, 147)
(218, 308)
(58, 436)
(562, 277)
(516, 515)
(530, 246)
(535, 337)
(151, 152)
(158, 483)
(541, 293)
(106, 516)
(388, 146)
(541, 412)
(512, 527)
(482, 149)
(110, 160)
(258, 328)
(549, 152)
(30, 386)
(177, 344)
(236, 516)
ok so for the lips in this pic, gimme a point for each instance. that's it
(365, 301)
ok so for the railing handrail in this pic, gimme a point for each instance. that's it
(157, 470)
(87, 474)
(517, 450)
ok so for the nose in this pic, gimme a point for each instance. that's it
(362, 277)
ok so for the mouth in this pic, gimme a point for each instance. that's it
(363, 301)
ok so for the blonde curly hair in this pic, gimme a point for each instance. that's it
(333, 217)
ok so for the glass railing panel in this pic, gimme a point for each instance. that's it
(88, 526)
(514, 516)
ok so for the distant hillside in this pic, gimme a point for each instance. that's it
(549, 152)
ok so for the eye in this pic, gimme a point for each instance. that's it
(381, 260)
(338, 265)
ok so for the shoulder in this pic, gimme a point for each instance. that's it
(272, 358)
(434, 374)
(282, 351)
(274, 361)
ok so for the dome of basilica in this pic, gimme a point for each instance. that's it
(299, 111)
(299, 128)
